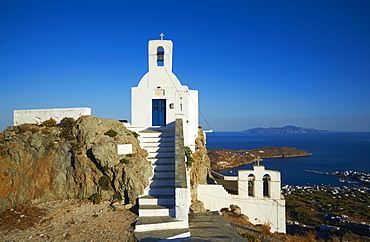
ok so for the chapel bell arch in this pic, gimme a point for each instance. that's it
(266, 185)
(251, 180)
(160, 56)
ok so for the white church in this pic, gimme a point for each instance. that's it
(165, 115)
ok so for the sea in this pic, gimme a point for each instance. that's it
(334, 151)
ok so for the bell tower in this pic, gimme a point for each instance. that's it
(160, 54)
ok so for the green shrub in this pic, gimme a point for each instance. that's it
(250, 237)
(124, 161)
(49, 123)
(67, 122)
(116, 197)
(34, 129)
(304, 217)
(104, 182)
(135, 134)
(96, 198)
(111, 133)
(67, 125)
(130, 155)
(189, 159)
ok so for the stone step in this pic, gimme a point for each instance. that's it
(154, 210)
(163, 235)
(159, 223)
(161, 155)
(157, 200)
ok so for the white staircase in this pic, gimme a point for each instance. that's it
(157, 206)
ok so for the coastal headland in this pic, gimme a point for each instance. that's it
(225, 158)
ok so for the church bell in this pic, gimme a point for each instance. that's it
(160, 56)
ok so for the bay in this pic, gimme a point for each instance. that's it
(335, 151)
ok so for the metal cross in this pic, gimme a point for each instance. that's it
(258, 159)
(162, 35)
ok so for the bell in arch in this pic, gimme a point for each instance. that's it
(160, 53)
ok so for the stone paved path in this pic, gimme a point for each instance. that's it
(210, 226)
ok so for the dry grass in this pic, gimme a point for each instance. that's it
(265, 229)
(306, 237)
(22, 217)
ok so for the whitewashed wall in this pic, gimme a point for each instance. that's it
(259, 209)
(37, 116)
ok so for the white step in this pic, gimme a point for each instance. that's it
(157, 134)
(164, 167)
(153, 211)
(161, 191)
(159, 149)
(161, 154)
(157, 144)
(163, 174)
(161, 226)
(157, 139)
(159, 200)
(163, 182)
(164, 160)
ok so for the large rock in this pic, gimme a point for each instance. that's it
(200, 171)
(70, 160)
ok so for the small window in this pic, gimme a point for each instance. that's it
(160, 56)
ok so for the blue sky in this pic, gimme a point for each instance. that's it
(255, 63)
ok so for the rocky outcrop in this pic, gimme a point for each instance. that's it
(70, 160)
(224, 158)
(200, 170)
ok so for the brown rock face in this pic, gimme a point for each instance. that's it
(200, 171)
(70, 160)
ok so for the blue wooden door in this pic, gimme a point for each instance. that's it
(158, 112)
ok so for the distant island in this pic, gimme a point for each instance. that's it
(289, 129)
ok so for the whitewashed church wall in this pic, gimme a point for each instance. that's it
(192, 119)
(37, 116)
(161, 83)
